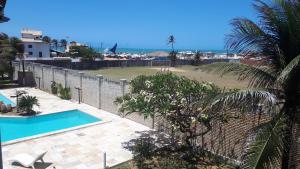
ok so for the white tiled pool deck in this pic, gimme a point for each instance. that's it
(78, 149)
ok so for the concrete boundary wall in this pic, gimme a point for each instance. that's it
(97, 91)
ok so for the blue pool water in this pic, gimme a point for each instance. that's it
(16, 128)
(6, 101)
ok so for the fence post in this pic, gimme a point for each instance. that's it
(43, 79)
(33, 69)
(123, 83)
(80, 86)
(66, 73)
(52, 70)
(100, 79)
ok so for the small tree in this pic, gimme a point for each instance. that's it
(63, 43)
(198, 56)
(26, 104)
(46, 39)
(182, 103)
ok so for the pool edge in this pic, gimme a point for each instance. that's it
(53, 133)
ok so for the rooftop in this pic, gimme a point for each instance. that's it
(32, 32)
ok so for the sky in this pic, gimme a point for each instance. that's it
(196, 24)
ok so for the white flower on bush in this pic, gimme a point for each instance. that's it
(168, 96)
(143, 92)
(174, 102)
(133, 99)
(147, 99)
(148, 84)
(183, 101)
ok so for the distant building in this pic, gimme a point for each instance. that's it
(34, 47)
(72, 44)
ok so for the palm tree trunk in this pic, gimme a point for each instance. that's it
(295, 147)
(290, 159)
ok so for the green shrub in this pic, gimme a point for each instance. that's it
(64, 93)
(26, 104)
(54, 87)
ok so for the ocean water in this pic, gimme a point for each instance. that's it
(15, 128)
(145, 51)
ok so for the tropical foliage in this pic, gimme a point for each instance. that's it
(84, 52)
(26, 104)
(64, 92)
(182, 104)
(10, 48)
(276, 39)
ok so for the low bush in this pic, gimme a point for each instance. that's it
(64, 92)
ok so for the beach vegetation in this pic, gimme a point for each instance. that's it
(275, 38)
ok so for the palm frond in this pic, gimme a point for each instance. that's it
(265, 146)
(246, 36)
(287, 72)
(244, 100)
(258, 76)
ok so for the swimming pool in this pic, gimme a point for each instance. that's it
(6, 101)
(17, 128)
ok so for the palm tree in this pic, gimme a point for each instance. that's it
(171, 41)
(26, 104)
(2, 7)
(64, 43)
(172, 54)
(46, 39)
(276, 37)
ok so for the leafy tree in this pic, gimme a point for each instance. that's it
(276, 37)
(46, 39)
(54, 43)
(180, 102)
(26, 104)
(84, 52)
(9, 49)
(64, 43)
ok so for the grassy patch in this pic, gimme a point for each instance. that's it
(192, 72)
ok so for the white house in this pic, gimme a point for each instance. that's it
(34, 47)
